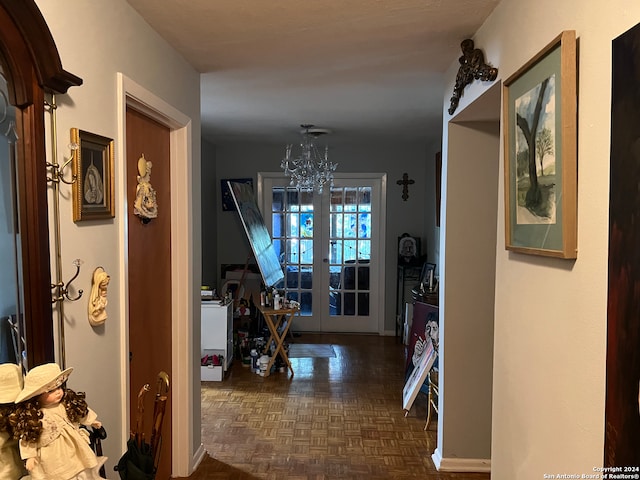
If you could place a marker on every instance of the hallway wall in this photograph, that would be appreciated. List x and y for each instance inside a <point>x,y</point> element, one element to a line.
<point>550,314</point>
<point>96,40</point>
<point>468,237</point>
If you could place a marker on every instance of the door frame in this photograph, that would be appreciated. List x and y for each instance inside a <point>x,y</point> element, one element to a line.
<point>380,276</point>
<point>130,94</point>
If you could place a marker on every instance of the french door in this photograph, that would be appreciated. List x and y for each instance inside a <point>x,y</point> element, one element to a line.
<point>330,250</point>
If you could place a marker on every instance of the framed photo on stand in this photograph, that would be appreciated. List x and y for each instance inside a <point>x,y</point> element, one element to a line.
<point>408,249</point>
<point>428,282</point>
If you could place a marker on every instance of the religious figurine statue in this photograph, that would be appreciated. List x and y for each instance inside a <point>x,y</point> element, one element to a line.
<point>98,298</point>
<point>145,204</point>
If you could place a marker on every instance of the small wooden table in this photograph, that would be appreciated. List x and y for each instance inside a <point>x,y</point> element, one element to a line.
<point>279,322</point>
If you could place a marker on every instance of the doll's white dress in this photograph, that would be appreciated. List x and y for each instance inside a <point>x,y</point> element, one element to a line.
<point>63,451</point>
<point>11,467</point>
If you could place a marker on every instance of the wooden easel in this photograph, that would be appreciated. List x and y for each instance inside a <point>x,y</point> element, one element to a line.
<point>239,284</point>
<point>236,300</point>
<point>279,322</point>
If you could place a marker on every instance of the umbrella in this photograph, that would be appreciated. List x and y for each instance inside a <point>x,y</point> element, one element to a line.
<point>137,461</point>
<point>159,406</point>
<point>138,435</point>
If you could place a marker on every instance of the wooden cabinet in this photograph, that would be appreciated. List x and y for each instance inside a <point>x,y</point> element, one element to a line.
<point>217,331</point>
<point>426,297</point>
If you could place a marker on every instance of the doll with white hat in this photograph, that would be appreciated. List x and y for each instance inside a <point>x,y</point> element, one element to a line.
<point>47,421</point>
<point>11,467</point>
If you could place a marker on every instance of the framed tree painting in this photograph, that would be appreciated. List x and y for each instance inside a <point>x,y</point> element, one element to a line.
<point>540,152</point>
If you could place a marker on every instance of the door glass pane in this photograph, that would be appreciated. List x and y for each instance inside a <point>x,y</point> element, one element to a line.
<point>278,221</point>
<point>277,200</point>
<point>363,304</point>
<point>350,199</point>
<point>350,251</point>
<point>12,348</point>
<point>292,224</point>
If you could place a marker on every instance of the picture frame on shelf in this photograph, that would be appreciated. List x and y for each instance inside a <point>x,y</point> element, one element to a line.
<point>93,186</point>
<point>540,152</point>
<point>428,282</point>
<point>408,249</point>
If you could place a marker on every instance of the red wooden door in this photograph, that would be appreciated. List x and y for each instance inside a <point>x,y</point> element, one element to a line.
<point>149,265</point>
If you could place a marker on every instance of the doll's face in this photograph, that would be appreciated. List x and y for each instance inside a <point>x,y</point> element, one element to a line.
<point>51,398</point>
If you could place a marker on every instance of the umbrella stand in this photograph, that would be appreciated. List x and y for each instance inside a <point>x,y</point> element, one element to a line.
<point>137,463</point>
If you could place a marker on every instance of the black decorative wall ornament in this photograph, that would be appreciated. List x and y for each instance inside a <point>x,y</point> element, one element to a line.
<point>405,182</point>
<point>472,67</point>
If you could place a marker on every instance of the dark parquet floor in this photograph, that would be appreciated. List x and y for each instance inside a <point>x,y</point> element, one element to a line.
<point>336,418</point>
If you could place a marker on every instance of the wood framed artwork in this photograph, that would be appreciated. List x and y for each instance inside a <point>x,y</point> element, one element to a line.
<point>259,238</point>
<point>540,152</point>
<point>421,354</point>
<point>424,316</point>
<point>622,422</point>
<point>93,188</point>
<point>227,200</point>
<point>418,377</point>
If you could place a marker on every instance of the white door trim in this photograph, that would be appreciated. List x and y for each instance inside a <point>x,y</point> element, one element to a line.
<point>184,456</point>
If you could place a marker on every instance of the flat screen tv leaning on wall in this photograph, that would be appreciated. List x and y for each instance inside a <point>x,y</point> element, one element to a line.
<point>257,233</point>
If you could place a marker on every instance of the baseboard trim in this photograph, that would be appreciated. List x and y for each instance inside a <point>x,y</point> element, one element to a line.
<point>198,457</point>
<point>460,464</point>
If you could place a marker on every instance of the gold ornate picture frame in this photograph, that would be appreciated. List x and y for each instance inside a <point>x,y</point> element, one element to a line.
<point>93,188</point>
<point>540,152</point>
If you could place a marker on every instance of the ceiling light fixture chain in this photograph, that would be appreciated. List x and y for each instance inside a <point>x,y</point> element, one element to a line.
<point>311,169</point>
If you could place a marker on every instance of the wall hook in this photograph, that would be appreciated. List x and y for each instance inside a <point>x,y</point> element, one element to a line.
<point>63,289</point>
<point>57,170</point>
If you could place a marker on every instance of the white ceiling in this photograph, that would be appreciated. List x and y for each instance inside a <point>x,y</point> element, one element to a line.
<point>363,68</point>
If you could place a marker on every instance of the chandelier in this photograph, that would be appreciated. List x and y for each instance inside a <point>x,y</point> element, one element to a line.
<point>311,169</point>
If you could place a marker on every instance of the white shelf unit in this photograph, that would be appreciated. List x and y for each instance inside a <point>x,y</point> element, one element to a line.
<point>216,331</point>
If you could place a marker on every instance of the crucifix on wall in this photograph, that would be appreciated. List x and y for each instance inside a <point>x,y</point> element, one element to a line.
<point>405,182</point>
